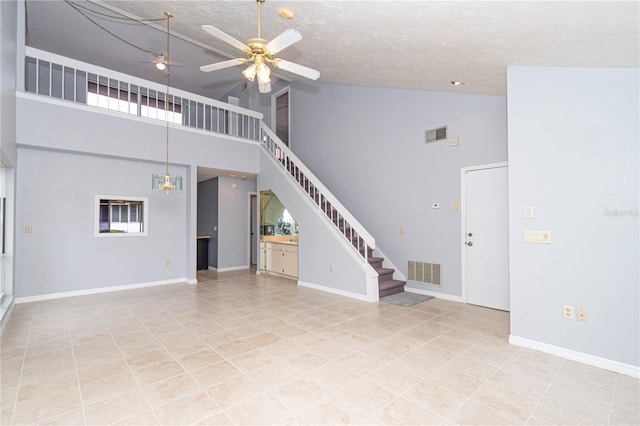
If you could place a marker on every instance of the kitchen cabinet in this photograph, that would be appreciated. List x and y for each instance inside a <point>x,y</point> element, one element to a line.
<point>281,259</point>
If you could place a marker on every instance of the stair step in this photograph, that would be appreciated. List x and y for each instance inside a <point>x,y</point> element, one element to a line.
<point>376,262</point>
<point>387,288</point>
<point>385,274</point>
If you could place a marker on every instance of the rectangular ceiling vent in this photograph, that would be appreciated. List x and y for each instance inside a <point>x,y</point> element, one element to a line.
<point>436,134</point>
<point>424,272</point>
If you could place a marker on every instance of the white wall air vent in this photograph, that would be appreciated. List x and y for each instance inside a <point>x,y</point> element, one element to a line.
<point>424,272</point>
<point>436,134</point>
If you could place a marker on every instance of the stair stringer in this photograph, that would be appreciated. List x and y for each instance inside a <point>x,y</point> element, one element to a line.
<point>397,275</point>
<point>327,261</point>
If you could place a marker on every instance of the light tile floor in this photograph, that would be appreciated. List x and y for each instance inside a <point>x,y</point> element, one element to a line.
<point>245,349</point>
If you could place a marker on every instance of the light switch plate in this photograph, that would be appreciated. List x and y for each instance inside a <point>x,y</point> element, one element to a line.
<point>528,211</point>
<point>537,237</point>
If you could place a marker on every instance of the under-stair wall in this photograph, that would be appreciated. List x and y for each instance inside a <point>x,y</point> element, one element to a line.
<point>326,259</point>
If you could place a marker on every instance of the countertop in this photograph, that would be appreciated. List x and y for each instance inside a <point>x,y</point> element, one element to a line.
<point>280,239</point>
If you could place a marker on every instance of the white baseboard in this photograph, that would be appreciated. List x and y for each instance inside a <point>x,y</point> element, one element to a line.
<point>230,268</point>
<point>192,281</point>
<point>6,314</point>
<point>212,268</point>
<point>434,294</point>
<point>607,364</point>
<point>98,290</point>
<point>336,291</point>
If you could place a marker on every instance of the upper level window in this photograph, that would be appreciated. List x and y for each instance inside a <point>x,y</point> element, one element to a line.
<point>121,215</point>
<point>119,96</point>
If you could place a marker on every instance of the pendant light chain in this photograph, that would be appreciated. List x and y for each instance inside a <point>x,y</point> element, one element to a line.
<point>166,100</point>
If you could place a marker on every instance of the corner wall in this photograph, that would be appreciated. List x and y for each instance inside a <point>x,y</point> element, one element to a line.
<point>62,254</point>
<point>367,145</point>
<point>573,157</point>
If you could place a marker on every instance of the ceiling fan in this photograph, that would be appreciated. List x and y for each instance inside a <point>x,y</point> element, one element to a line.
<point>161,62</point>
<point>259,53</point>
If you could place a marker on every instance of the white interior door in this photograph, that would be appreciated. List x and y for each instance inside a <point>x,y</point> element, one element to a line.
<point>487,237</point>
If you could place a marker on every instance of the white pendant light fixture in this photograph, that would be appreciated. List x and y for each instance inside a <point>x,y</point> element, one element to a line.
<point>167,182</point>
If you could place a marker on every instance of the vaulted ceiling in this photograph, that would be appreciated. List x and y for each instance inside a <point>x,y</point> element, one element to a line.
<point>417,45</point>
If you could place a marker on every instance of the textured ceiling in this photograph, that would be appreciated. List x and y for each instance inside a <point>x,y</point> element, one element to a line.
<point>421,45</point>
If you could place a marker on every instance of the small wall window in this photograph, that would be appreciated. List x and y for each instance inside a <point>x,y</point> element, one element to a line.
<point>116,215</point>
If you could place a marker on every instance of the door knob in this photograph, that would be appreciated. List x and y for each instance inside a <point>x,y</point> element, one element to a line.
<point>470,234</point>
<point>469,243</point>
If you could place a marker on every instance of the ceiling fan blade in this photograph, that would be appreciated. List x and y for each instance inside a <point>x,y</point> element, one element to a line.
<point>307,72</point>
<point>225,37</point>
<point>284,40</point>
<point>222,65</point>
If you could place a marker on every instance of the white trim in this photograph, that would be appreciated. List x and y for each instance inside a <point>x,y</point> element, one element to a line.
<point>337,291</point>
<point>257,234</point>
<point>6,315</point>
<point>212,268</point>
<point>98,290</point>
<point>607,364</point>
<point>434,294</point>
<point>145,216</point>
<point>230,268</point>
<point>193,281</point>
<point>463,219</point>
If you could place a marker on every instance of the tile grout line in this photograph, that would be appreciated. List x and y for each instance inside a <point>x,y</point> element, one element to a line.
<point>19,385</point>
<point>545,390</point>
<point>124,358</point>
<point>75,363</point>
<point>175,360</point>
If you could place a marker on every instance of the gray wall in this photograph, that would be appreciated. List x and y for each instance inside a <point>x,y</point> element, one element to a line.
<point>111,134</point>
<point>320,247</point>
<point>367,146</point>
<point>208,216</point>
<point>57,199</point>
<point>112,137</point>
<point>233,222</point>
<point>573,156</point>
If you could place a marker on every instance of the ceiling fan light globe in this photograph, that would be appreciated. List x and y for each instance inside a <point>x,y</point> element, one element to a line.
<point>263,73</point>
<point>161,66</point>
<point>250,72</point>
<point>264,87</point>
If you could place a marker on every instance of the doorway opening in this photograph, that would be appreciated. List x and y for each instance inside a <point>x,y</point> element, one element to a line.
<point>280,114</point>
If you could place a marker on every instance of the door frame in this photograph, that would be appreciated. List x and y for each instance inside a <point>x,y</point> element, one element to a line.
<point>251,194</point>
<point>463,217</point>
<point>274,111</point>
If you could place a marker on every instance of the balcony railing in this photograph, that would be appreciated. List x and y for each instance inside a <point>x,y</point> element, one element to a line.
<point>62,78</point>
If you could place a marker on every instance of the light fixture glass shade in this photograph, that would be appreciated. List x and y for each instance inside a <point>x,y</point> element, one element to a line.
<point>264,87</point>
<point>250,72</point>
<point>166,182</point>
<point>161,66</point>
<point>263,73</point>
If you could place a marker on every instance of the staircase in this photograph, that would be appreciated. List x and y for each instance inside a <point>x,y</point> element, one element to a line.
<point>386,284</point>
<point>349,227</point>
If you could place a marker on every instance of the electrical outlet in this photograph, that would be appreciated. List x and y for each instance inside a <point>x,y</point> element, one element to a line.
<point>28,229</point>
<point>568,311</point>
<point>330,268</point>
<point>582,315</point>
<point>402,230</point>
<point>167,262</point>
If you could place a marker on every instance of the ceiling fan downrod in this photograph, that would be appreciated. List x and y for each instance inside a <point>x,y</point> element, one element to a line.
<point>260,17</point>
